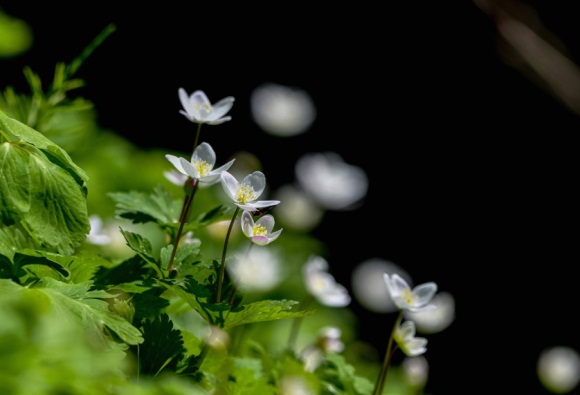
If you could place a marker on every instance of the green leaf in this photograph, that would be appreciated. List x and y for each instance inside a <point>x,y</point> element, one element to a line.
<point>132,269</point>
<point>248,378</point>
<point>140,245</point>
<point>22,259</point>
<point>340,376</point>
<point>14,130</point>
<point>89,307</point>
<point>139,207</point>
<point>162,346</point>
<point>264,310</point>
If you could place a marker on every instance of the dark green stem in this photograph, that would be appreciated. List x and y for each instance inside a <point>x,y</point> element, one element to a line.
<point>182,219</point>
<point>380,384</point>
<point>223,264</point>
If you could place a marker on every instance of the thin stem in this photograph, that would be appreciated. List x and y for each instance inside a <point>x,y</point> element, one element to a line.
<point>182,219</point>
<point>296,323</point>
<point>380,384</point>
<point>223,265</point>
<point>197,136</point>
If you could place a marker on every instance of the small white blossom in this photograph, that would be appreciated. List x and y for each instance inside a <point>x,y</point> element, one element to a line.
<point>198,108</point>
<point>258,260</point>
<point>245,194</point>
<point>260,232</point>
<point>330,181</point>
<point>322,285</point>
<point>201,166</point>
<point>282,110</point>
<point>559,369</point>
<point>434,320</point>
<point>406,340</point>
<point>97,235</point>
<point>405,298</point>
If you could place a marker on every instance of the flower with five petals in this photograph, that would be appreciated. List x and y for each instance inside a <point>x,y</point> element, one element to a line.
<point>201,165</point>
<point>260,232</point>
<point>198,109</point>
<point>405,337</point>
<point>405,298</point>
<point>245,194</point>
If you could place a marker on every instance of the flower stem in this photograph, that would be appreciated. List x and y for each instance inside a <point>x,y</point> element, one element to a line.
<point>296,324</point>
<point>380,384</point>
<point>223,265</point>
<point>197,136</point>
<point>182,218</point>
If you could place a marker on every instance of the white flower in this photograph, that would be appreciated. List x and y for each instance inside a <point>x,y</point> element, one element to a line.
<point>260,232</point>
<point>198,108</point>
<point>245,194</point>
<point>97,235</point>
<point>559,369</point>
<point>201,165</point>
<point>416,370</point>
<point>406,340</point>
<point>258,260</point>
<point>368,285</point>
<point>281,110</point>
<point>405,298</point>
<point>434,320</point>
<point>299,211</point>
<point>328,341</point>
<point>322,285</point>
<point>330,181</point>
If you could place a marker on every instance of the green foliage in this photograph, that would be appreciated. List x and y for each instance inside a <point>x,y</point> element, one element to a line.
<point>79,319</point>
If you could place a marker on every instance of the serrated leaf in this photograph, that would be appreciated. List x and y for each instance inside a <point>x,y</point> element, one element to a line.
<point>130,270</point>
<point>339,374</point>
<point>140,245</point>
<point>22,259</point>
<point>89,307</point>
<point>161,347</point>
<point>248,378</point>
<point>264,310</point>
<point>139,207</point>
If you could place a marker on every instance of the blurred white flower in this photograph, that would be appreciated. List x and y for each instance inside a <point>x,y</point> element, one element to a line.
<point>295,385</point>
<point>259,270</point>
<point>559,369</point>
<point>322,285</point>
<point>259,232</point>
<point>98,235</point>
<point>299,211</point>
<point>218,339</point>
<point>416,370</point>
<point>369,287</point>
<point>198,108</point>
<point>434,320</point>
<point>328,341</point>
<point>415,299</point>
<point>330,181</point>
<point>201,166</point>
<point>407,342</point>
<point>245,194</point>
<point>282,110</point>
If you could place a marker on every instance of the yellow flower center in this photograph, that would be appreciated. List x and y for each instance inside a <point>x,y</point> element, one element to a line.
<point>407,295</point>
<point>259,230</point>
<point>202,167</point>
<point>202,106</point>
<point>245,194</point>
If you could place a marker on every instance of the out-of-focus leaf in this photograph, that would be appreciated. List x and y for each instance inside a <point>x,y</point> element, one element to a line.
<point>15,36</point>
<point>264,310</point>
<point>89,307</point>
<point>340,377</point>
<point>140,207</point>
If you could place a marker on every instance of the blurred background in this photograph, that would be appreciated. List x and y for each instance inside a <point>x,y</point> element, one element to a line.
<point>462,118</point>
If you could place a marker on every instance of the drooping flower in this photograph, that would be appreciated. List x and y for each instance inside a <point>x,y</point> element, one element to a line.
<point>198,108</point>
<point>201,165</point>
<point>245,194</point>
<point>405,298</point>
<point>406,340</point>
<point>322,285</point>
<point>260,232</point>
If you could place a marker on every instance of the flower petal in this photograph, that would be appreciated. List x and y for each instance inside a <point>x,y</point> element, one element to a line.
<point>397,285</point>
<point>267,221</point>
<point>260,240</point>
<point>223,168</point>
<point>221,108</point>
<point>230,185</point>
<point>424,293</point>
<point>204,152</point>
<point>247,223</point>
<point>219,121</point>
<point>176,163</point>
<point>274,235</point>
<point>189,169</point>
<point>257,180</point>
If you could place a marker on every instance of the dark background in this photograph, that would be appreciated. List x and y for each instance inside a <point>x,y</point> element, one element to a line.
<point>472,167</point>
